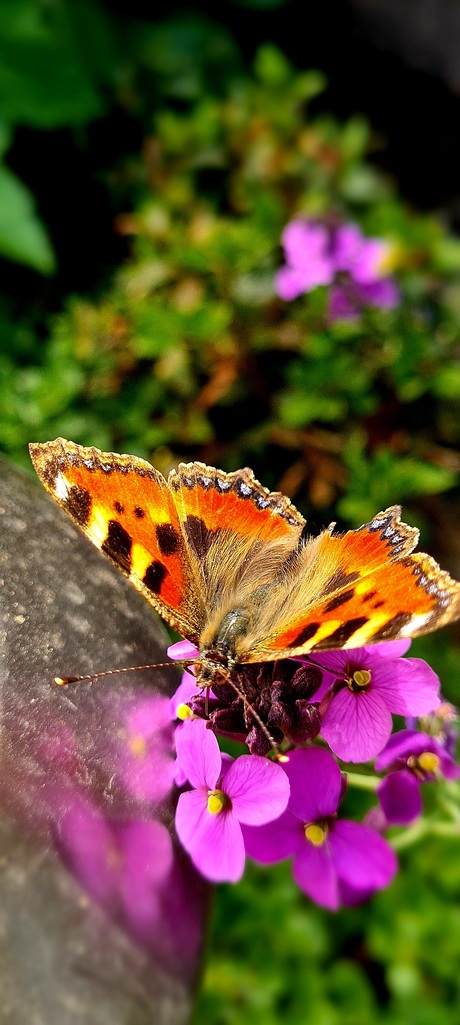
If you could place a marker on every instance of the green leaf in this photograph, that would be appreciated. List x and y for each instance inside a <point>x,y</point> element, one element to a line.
<point>46,73</point>
<point>271,66</point>
<point>22,235</point>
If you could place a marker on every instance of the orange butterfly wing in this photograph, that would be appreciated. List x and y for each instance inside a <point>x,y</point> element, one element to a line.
<point>124,506</point>
<point>358,588</point>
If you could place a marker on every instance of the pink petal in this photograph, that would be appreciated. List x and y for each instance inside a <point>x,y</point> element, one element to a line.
<point>362,858</point>
<point>342,305</point>
<point>316,784</point>
<point>186,690</point>
<point>356,726</point>
<point>314,872</point>
<point>276,840</point>
<point>384,293</point>
<point>400,798</point>
<point>183,650</point>
<point>214,842</point>
<point>290,283</point>
<point>305,244</point>
<point>198,754</point>
<point>409,686</point>
<point>258,789</point>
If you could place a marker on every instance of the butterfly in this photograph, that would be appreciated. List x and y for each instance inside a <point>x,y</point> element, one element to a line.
<point>224,562</point>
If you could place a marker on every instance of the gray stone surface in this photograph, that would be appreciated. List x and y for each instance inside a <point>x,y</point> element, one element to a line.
<point>95,927</point>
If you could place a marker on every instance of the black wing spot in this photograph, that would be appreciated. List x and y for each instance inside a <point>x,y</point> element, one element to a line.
<point>378,604</point>
<point>140,513</point>
<point>154,576</point>
<point>342,634</point>
<point>79,503</point>
<point>369,596</point>
<point>305,635</point>
<point>199,535</point>
<point>118,507</point>
<point>341,599</point>
<point>340,579</point>
<point>118,544</point>
<point>167,537</point>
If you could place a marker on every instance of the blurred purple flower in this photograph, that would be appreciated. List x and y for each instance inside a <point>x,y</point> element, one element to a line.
<point>121,865</point>
<point>370,684</point>
<point>145,764</point>
<point>342,257</point>
<point>441,724</point>
<point>334,862</point>
<point>250,790</point>
<point>361,257</point>
<point>412,758</point>
<point>308,259</point>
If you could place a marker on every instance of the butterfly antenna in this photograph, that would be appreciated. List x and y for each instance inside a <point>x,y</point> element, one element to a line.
<point>280,757</point>
<point>62,681</point>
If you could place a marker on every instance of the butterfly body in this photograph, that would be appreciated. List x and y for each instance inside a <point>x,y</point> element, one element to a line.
<point>224,562</point>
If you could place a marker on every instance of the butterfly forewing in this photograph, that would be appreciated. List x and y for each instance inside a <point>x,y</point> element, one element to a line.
<point>125,507</point>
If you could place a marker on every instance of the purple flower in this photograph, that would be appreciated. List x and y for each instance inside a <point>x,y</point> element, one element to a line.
<point>413,758</point>
<point>308,259</point>
<point>250,790</point>
<point>334,861</point>
<point>363,258</point>
<point>122,865</point>
<point>341,257</point>
<point>145,763</point>
<point>370,684</point>
<point>347,299</point>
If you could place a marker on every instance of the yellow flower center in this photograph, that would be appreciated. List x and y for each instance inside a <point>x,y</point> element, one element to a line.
<point>138,746</point>
<point>360,679</point>
<point>217,800</point>
<point>183,712</point>
<point>316,833</point>
<point>428,761</point>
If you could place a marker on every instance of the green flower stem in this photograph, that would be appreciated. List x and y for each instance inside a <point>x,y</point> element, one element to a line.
<point>355,779</point>
<point>422,829</point>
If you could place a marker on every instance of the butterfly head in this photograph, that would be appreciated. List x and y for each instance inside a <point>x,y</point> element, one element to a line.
<point>218,647</point>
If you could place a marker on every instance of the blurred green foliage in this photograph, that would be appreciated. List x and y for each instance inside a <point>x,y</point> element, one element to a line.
<point>186,352</point>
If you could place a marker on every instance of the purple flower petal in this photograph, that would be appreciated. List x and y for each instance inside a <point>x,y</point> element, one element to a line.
<point>183,650</point>
<point>276,840</point>
<point>258,789</point>
<point>308,261</point>
<point>316,784</point>
<point>88,847</point>
<point>356,726</point>
<point>362,858</point>
<point>305,247</point>
<point>147,857</point>
<point>186,690</point>
<point>410,742</point>
<point>342,304</point>
<point>399,796</point>
<point>409,686</point>
<point>385,294</point>
<point>214,842</point>
<point>400,746</point>
<point>198,754</point>
<point>314,872</point>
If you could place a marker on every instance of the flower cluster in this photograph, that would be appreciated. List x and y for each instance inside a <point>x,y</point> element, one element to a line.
<point>339,256</point>
<point>289,807</point>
